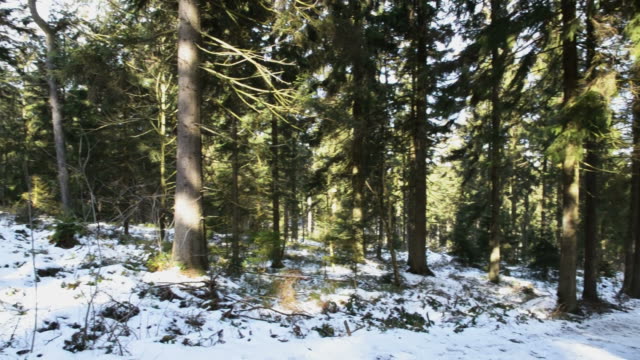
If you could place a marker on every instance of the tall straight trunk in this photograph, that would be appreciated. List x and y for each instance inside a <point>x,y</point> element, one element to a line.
<point>525,228</point>
<point>309,216</point>
<point>558,214</point>
<point>357,172</point>
<point>418,176</point>
<point>382,211</point>
<point>293,181</point>
<point>590,290</point>
<point>5,179</point>
<point>632,263</point>
<point>497,65</point>
<point>189,246</point>
<point>570,175</point>
<point>544,222</point>
<point>634,210</point>
<point>285,222</point>
<point>56,108</point>
<point>162,119</point>
<point>277,252</point>
<point>235,199</point>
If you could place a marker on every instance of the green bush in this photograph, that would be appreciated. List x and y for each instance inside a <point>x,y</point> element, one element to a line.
<point>266,243</point>
<point>64,234</point>
<point>159,262</point>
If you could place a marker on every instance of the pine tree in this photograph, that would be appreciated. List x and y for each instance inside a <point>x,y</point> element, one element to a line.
<point>189,246</point>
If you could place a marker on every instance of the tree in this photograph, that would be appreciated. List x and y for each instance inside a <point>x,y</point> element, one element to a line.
<point>189,246</point>
<point>498,53</point>
<point>420,13</point>
<point>56,107</point>
<point>570,179</point>
<point>591,246</point>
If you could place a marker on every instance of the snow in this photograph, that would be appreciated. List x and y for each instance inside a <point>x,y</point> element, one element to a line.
<point>456,315</point>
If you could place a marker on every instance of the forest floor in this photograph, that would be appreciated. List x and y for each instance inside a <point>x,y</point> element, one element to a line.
<point>99,300</point>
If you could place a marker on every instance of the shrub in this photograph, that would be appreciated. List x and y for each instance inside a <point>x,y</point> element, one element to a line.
<point>159,262</point>
<point>64,234</point>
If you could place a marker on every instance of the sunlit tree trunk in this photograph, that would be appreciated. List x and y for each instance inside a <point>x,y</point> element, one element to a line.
<point>570,175</point>
<point>189,246</point>
<point>56,108</point>
<point>163,86</point>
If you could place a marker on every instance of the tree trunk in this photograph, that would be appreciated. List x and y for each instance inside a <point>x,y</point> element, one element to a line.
<point>309,216</point>
<point>358,177</point>
<point>189,246</point>
<point>570,174</point>
<point>418,177</point>
<point>277,252</point>
<point>162,119</point>
<point>544,224</point>
<point>590,290</point>
<point>235,200</point>
<point>525,229</point>
<point>634,210</point>
<point>632,259</point>
<point>497,65</point>
<point>56,108</point>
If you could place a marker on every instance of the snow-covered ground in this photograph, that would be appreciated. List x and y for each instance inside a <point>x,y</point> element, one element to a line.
<point>99,300</point>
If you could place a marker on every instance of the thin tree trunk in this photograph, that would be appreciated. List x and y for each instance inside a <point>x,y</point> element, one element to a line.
<point>632,261</point>
<point>276,256</point>
<point>56,109</point>
<point>570,173</point>
<point>559,196</point>
<point>358,181</point>
<point>544,225</point>
<point>235,200</point>
<point>162,120</point>
<point>496,151</point>
<point>189,246</point>
<point>293,180</point>
<point>525,228</point>
<point>590,290</point>
<point>634,211</point>
<point>309,216</point>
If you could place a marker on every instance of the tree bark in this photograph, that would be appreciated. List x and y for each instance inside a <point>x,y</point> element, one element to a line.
<point>631,284</point>
<point>417,241</point>
<point>591,245</point>
<point>544,224</point>
<point>235,265</point>
<point>497,65</point>
<point>162,127</point>
<point>56,108</point>
<point>570,173</point>
<point>590,290</point>
<point>277,252</point>
<point>309,216</point>
<point>189,246</point>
